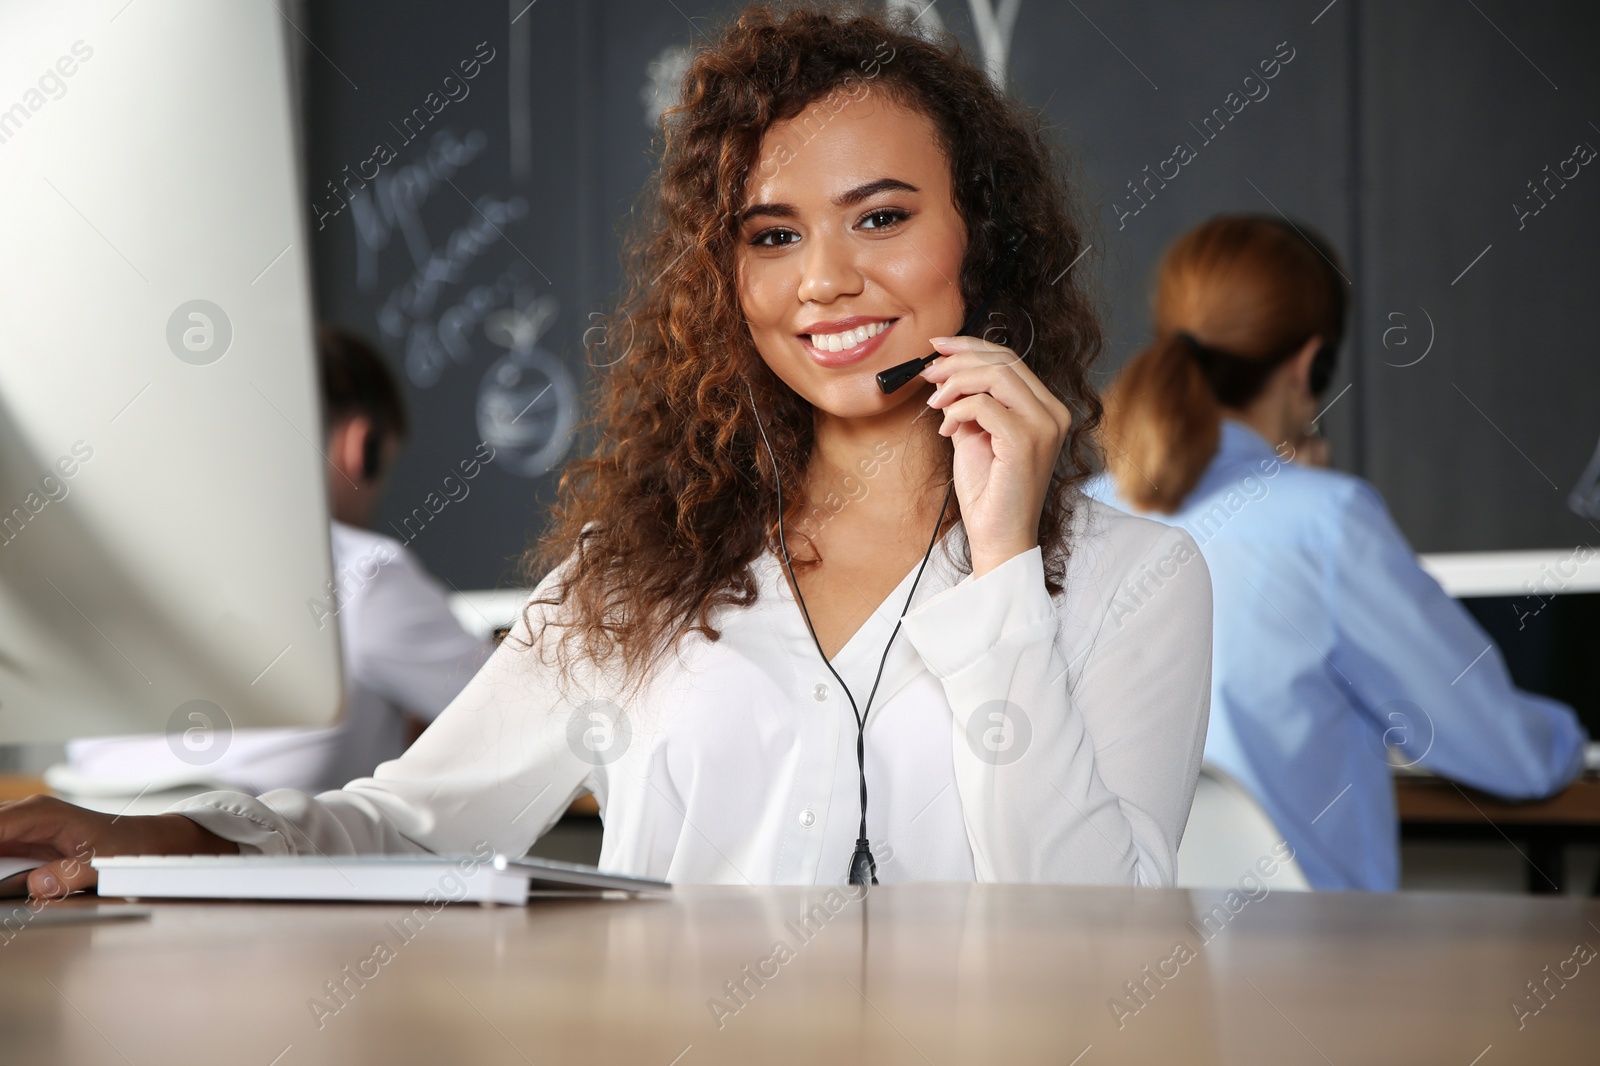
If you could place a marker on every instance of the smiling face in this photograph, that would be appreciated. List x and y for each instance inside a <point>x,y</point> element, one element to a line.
<point>850,250</point>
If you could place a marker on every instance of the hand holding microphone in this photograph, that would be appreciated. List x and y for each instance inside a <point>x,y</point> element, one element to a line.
<point>1008,429</point>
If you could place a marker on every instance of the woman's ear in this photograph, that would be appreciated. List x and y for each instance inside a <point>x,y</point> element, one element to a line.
<point>1300,363</point>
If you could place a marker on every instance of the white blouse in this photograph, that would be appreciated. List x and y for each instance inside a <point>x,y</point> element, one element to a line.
<point>1015,736</point>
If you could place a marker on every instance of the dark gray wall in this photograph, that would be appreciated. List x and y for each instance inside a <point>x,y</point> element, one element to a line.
<point>1405,132</point>
<point>1477,446</point>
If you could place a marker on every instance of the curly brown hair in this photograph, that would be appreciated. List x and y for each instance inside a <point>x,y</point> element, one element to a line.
<point>657,528</point>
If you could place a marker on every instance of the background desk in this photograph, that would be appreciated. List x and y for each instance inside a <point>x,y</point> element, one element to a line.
<point>20,786</point>
<point>1432,808</point>
<point>924,975</point>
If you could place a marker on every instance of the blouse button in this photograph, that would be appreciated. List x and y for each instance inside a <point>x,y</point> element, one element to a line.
<point>807,818</point>
<point>819,692</point>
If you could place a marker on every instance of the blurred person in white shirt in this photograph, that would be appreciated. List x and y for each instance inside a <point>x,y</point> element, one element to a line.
<point>405,655</point>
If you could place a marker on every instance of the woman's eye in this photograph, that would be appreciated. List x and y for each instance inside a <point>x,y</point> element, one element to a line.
<point>883,218</point>
<point>774,238</point>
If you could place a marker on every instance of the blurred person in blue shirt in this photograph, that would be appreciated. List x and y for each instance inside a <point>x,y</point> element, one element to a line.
<point>1331,644</point>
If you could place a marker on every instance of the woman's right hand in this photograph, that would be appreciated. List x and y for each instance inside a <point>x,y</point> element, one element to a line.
<point>42,827</point>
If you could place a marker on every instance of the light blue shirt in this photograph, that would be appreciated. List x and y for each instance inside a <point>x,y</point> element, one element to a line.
<point>1332,644</point>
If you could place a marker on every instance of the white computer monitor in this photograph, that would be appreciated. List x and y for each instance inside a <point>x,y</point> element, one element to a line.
<point>163,513</point>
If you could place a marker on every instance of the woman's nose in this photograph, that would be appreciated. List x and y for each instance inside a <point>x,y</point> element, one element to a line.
<point>828,271</point>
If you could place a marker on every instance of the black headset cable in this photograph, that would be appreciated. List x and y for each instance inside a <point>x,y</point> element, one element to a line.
<point>863,868</point>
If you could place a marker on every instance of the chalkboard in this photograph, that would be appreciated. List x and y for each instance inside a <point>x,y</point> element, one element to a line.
<point>453,225</point>
<point>468,168</point>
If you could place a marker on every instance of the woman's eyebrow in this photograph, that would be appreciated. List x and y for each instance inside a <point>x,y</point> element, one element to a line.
<point>848,198</point>
<point>872,188</point>
<point>767,211</point>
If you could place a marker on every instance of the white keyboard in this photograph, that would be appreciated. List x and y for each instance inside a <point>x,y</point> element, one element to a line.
<point>419,878</point>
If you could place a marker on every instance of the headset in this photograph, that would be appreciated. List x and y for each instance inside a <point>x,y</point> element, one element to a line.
<point>372,455</point>
<point>348,364</point>
<point>1326,361</point>
<point>863,868</point>
<point>371,405</point>
<point>1237,379</point>
<point>1011,241</point>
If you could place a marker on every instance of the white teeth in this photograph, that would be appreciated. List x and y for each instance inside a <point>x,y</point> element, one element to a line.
<point>838,342</point>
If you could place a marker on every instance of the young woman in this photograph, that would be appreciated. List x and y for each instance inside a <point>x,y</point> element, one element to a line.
<point>795,626</point>
<point>1332,644</point>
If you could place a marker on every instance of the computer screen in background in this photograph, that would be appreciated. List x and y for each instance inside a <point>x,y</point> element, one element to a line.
<point>1542,609</point>
<point>1551,645</point>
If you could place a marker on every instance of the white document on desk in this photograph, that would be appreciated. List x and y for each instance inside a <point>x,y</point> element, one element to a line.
<point>13,875</point>
<point>373,878</point>
<point>12,865</point>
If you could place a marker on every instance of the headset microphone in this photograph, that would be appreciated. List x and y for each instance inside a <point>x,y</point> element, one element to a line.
<point>897,377</point>
<point>371,453</point>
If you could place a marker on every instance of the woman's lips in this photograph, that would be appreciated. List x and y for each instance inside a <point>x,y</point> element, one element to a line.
<point>847,356</point>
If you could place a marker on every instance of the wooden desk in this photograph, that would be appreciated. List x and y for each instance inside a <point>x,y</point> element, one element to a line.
<point>1436,809</point>
<point>915,974</point>
<point>21,786</point>
<point>1436,801</point>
